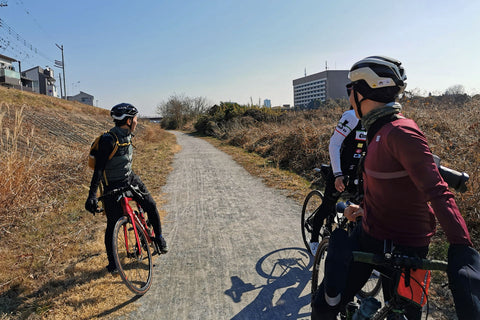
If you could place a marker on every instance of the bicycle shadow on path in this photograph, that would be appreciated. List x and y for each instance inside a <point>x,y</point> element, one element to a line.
<point>287,273</point>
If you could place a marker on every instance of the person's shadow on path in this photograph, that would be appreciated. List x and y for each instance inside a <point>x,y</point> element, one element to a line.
<point>283,268</point>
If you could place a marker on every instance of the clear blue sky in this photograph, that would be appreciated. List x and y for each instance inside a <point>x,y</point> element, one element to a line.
<point>143,52</point>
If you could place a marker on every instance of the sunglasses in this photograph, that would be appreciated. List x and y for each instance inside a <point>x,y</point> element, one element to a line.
<point>349,88</point>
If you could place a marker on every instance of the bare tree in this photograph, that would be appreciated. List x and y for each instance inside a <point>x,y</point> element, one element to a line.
<point>199,105</point>
<point>457,89</point>
<point>179,109</point>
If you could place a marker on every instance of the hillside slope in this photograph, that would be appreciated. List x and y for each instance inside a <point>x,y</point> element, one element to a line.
<point>52,250</point>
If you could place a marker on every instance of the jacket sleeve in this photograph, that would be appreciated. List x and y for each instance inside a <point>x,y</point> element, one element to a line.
<point>411,149</point>
<point>105,148</point>
<point>345,125</point>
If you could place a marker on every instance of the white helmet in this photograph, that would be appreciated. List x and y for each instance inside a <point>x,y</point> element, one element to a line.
<point>378,78</point>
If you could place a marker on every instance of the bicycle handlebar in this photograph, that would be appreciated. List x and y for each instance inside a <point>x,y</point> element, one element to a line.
<point>399,261</point>
<point>453,178</point>
<point>134,189</point>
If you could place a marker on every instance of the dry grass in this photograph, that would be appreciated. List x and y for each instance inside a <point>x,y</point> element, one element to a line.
<point>52,250</point>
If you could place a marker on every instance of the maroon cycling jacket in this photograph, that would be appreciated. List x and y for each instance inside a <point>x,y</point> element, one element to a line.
<point>404,190</point>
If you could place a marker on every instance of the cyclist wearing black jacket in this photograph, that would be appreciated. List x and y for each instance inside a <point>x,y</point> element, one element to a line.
<point>116,173</point>
<point>347,145</point>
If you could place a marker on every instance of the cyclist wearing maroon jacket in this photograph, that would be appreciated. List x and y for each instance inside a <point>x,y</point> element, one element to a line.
<point>403,189</point>
<point>116,172</point>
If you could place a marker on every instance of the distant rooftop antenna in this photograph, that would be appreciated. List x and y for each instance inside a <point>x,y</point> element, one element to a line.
<point>305,72</point>
<point>326,65</point>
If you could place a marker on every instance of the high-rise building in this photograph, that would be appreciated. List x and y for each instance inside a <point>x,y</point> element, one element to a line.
<point>328,84</point>
<point>267,103</point>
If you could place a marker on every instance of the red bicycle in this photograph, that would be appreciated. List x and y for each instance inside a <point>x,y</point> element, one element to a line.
<point>132,238</point>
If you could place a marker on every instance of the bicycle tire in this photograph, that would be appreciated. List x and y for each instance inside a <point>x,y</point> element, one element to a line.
<point>135,269</point>
<point>312,202</point>
<point>318,271</point>
<point>370,289</point>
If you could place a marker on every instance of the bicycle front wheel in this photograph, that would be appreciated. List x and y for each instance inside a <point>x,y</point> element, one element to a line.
<point>310,207</point>
<point>133,259</point>
<point>319,265</point>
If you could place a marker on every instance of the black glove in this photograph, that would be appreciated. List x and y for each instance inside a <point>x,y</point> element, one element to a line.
<point>91,205</point>
<point>464,280</point>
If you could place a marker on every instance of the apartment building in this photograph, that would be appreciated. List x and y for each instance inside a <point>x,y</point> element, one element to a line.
<point>328,84</point>
<point>43,80</point>
<point>8,76</point>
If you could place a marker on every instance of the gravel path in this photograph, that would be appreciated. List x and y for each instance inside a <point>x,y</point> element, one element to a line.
<point>235,245</point>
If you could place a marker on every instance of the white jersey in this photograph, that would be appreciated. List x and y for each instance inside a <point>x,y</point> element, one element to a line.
<point>345,126</point>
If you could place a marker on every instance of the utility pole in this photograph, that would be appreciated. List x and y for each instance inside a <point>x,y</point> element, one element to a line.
<point>63,68</point>
<point>61,91</point>
<point>20,71</point>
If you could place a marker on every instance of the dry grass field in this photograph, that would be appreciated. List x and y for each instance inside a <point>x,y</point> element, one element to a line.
<point>53,260</point>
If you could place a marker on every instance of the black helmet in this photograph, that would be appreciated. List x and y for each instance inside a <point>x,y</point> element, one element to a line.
<point>378,78</point>
<point>122,111</point>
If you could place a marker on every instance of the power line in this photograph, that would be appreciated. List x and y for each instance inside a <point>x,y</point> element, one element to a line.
<point>30,15</point>
<point>12,41</point>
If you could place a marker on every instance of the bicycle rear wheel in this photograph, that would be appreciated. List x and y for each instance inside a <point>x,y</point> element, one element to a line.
<point>133,260</point>
<point>310,206</point>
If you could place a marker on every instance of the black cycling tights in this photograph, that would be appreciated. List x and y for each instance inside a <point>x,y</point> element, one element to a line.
<point>113,211</point>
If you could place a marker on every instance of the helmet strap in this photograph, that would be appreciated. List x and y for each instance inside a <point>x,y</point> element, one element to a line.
<point>129,125</point>
<point>358,103</point>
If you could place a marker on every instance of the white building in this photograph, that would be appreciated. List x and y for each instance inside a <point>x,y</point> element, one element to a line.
<point>329,84</point>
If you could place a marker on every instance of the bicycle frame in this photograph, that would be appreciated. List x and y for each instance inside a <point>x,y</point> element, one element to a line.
<point>134,216</point>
